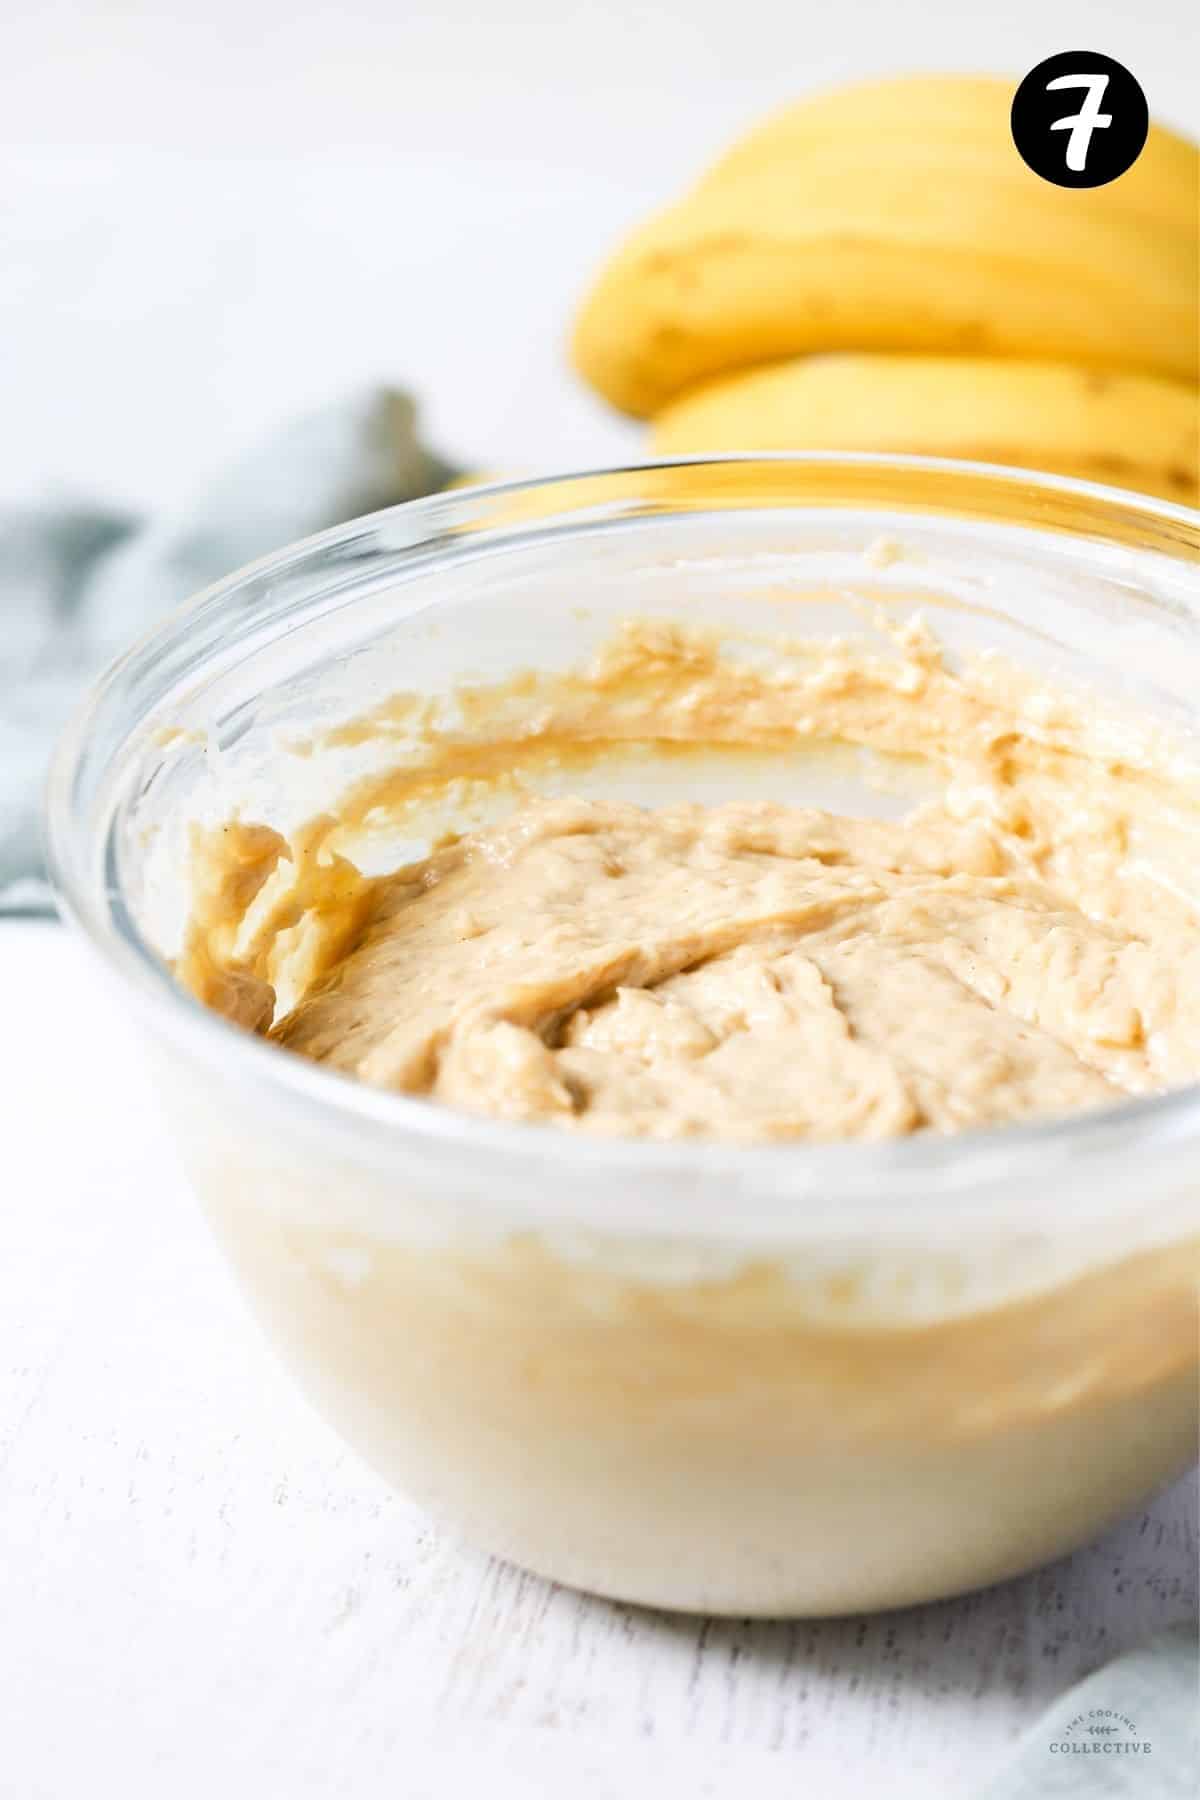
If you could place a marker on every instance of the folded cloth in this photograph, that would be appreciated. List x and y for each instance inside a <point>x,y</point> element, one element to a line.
<point>78,584</point>
<point>1131,1729</point>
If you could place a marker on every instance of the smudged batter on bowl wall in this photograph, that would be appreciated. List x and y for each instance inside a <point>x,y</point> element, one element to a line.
<point>1023,944</point>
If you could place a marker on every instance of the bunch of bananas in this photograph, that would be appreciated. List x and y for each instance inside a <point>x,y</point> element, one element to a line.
<point>877,269</point>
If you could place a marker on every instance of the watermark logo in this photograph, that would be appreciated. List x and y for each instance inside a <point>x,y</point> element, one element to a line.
<point>1102,1731</point>
<point>1080,119</point>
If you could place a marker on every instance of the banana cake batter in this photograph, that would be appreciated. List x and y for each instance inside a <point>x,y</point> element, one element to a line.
<point>1023,944</point>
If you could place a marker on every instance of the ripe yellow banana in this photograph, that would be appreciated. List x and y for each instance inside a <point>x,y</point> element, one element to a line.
<point>965,117</point>
<point>474,478</point>
<point>899,217</point>
<point>1138,431</point>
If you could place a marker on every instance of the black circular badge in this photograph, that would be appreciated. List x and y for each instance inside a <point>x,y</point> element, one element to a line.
<point>1080,119</point>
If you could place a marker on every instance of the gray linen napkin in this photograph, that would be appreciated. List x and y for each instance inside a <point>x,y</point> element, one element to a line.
<point>1130,1730</point>
<point>78,584</point>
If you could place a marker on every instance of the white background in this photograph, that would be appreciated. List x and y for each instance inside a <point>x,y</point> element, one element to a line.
<point>211,217</point>
<point>214,214</point>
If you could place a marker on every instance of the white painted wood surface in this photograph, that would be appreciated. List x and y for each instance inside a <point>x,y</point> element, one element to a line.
<point>202,1593</point>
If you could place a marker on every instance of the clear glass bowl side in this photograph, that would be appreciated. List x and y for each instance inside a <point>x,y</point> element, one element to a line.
<point>828,1377</point>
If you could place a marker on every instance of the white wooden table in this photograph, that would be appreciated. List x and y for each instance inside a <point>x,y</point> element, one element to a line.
<point>201,1592</point>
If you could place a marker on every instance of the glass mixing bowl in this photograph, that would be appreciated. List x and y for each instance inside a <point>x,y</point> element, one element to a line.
<point>752,1380</point>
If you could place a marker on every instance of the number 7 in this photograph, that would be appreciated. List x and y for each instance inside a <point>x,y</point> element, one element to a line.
<point>1089,118</point>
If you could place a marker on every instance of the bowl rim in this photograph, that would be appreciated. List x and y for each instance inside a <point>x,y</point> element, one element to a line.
<point>382,1120</point>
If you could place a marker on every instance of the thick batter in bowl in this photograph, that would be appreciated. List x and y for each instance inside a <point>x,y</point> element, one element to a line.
<point>559,1238</point>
